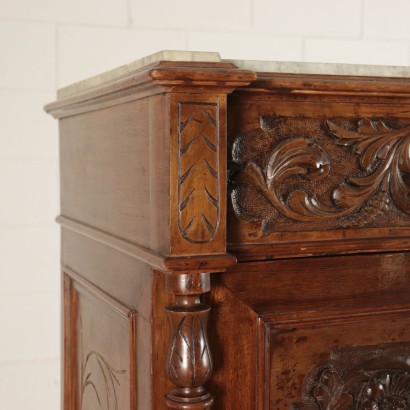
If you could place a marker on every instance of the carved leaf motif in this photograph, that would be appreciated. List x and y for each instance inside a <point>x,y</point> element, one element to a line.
<point>106,397</point>
<point>385,150</point>
<point>296,156</point>
<point>189,363</point>
<point>293,157</point>
<point>384,155</point>
<point>198,172</point>
<point>399,189</point>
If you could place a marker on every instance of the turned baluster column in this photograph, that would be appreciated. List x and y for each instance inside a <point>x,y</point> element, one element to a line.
<point>189,364</point>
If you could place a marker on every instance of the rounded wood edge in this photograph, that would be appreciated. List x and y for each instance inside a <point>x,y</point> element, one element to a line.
<point>246,252</point>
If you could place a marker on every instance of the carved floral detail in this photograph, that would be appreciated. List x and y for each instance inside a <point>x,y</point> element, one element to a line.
<point>388,391</point>
<point>365,388</point>
<point>384,155</point>
<point>198,171</point>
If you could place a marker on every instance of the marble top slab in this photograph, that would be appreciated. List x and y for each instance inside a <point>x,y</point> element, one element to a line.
<point>253,65</point>
<point>136,65</point>
<point>291,67</point>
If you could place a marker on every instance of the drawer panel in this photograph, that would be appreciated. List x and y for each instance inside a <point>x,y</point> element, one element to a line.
<point>317,177</point>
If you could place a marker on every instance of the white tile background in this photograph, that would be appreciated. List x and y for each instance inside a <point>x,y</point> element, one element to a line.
<point>46,44</point>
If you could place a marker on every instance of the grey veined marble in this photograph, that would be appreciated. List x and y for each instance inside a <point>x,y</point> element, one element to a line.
<point>323,68</point>
<point>253,65</point>
<point>134,66</point>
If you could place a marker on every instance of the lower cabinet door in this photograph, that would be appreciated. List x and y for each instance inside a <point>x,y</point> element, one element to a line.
<point>360,361</point>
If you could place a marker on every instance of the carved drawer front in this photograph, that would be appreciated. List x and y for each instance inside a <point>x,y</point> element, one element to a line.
<point>338,364</point>
<point>330,177</point>
<point>99,349</point>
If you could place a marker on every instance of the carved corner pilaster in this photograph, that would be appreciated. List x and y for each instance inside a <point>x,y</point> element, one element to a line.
<point>189,362</point>
<point>198,169</point>
<point>197,119</point>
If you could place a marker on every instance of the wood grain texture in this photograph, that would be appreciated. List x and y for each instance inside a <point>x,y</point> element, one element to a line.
<point>338,282</point>
<point>106,171</point>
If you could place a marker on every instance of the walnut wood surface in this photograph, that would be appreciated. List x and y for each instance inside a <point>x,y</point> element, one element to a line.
<point>170,175</point>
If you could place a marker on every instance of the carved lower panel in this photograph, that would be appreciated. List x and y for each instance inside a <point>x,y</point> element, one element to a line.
<point>198,171</point>
<point>111,377</point>
<point>296,174</point>
<point>371,377</point>
<point>101,350</point>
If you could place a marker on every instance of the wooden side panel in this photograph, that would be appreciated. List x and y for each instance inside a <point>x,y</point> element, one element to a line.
<point>105,170</point>
<point>159,162</point>
<point>100,349</point>
<point>123,277</point>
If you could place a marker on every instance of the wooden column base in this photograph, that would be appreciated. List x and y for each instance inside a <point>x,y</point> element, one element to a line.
<point>189,364</point>
<point>189,398</point>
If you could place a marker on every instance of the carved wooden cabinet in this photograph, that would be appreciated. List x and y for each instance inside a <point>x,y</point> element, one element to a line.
<point>235,235</point>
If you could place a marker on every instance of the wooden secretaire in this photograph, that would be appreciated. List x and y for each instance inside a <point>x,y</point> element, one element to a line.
<point>236,235</point>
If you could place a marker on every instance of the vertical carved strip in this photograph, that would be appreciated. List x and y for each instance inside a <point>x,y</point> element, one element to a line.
<point>198,171</point>
<point>197,174</point>
<point>189,364</point>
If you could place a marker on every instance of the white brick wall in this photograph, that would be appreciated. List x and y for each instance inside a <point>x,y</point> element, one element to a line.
<point>336,18</point>
<point>110,47</point>
<point>50,43</point>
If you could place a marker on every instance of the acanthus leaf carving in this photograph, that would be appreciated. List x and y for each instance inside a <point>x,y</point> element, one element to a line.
<point>384,156</point>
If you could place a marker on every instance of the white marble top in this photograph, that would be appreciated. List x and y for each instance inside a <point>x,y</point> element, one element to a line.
<point>291,67</point>
<point>136,65</point>
<point>253,65</point>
